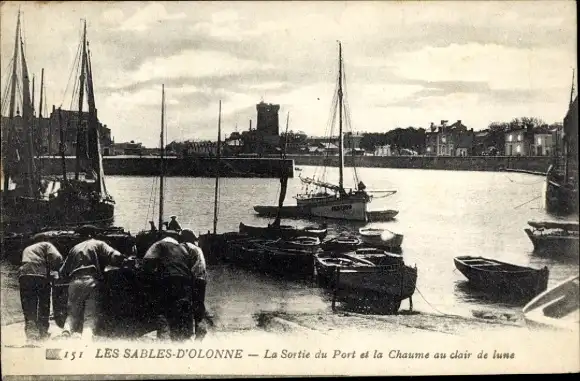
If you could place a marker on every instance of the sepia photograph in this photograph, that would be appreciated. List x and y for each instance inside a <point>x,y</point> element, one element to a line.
<point>288,188</point>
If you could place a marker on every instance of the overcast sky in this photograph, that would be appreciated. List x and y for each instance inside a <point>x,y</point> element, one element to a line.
<point>406,63</point>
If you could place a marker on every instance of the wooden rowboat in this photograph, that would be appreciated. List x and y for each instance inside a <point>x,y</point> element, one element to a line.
<point>381,238</point>
<point>283,231</point>
<point>357,278</point>
<point>503,278</point>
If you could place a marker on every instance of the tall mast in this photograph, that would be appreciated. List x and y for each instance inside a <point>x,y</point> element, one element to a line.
<point>283,176</point>
<point>12,101</point>
<point>41,93</point>
<point>162,157</point>
<point>14,65</point>
<point>81,139</point>
<point>340,137</point>
<point>39,123</point>
<point>62,152</point>
<point>572,89</point>
<point>217,177</point>
<point>27,120</point>
<point>33,93</point>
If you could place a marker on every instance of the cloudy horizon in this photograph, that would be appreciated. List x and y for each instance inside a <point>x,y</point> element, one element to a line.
<point>406,63</point>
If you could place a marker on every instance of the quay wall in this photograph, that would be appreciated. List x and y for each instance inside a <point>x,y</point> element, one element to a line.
<point>270,166</point>
<point>456,163</point>
<point>174,166</point>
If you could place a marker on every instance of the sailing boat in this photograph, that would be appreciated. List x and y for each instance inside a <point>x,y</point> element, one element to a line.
<point>329,200</point>
<point>561,189</point>
<point>276,230</point>
<point>30,202</point>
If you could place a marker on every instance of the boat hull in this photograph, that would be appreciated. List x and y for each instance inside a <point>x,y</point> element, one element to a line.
<point>344,209</point>
<point>292,211</point>
<point>558,307</point>
<point>557,244</point>
<point>284,231</point>
<point>559,198</point>
<point>394,241</point>
<point>366,284</point>
<point>503,279</point>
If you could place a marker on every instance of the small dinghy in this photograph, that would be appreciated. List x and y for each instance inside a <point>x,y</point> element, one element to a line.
<point>364,278</point>
<point>507,279</point>
<point>381,238</point>
<point>342,243</point>
<point>558,307</point>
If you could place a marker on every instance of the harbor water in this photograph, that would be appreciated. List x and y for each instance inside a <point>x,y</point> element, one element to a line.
<point>442,214</point>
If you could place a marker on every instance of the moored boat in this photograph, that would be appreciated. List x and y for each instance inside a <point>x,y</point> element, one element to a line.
<point>557,307</point>
<point>368,279</point>
<point>554,236</point>
<point>378,237</point>
<point>497,277</point>
<point>341,243</point>
<point>330,200</point>
<point>283,231</point>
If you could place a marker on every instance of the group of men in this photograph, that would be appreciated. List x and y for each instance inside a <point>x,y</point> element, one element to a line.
<point>176,266</point>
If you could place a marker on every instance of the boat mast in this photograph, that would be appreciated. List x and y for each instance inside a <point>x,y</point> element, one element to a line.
<point>566,139</point>
<point>217,177</point>
<point>283,177</point>
<point>81,99</point>
<point>340,137</point>
<point>39,126</point>
<point>27,120</point>
<point>162,151</point>
<point>62,150</point>
<point>12,97</point>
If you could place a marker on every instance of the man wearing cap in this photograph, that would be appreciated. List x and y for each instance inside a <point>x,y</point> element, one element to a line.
<point>173,224</point>
<point>84,267</point>
<point>40,261</point>
<point>175,267</point>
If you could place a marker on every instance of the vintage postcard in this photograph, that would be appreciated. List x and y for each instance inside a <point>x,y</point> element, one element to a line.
<point>288,188</point>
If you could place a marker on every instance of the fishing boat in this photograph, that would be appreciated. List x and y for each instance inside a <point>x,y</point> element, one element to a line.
<point>368,277</point>
<point>561,186</point>
<point>491,275</point>
<point>328,200</point>
<point>381,238</point>
<point>554,236</point>
<point>29,200</point>
<point>283,231</point>
<point>558,307</point>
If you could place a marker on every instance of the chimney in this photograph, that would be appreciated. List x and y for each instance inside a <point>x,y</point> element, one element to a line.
<point>53,108</point>
<point>432,127</point>
<point>250,124</point>
<point>444,123</point>
<point>458,121</point>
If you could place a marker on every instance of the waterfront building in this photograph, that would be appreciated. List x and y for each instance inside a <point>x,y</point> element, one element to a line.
<point>70,125</point>
<point>127,148</point>
<point>383,150</point>
<point>449,140</point>
<point>519,141</point>
<point>543,141</point>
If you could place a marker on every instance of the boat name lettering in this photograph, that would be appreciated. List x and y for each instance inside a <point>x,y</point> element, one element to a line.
<point>341,207</point>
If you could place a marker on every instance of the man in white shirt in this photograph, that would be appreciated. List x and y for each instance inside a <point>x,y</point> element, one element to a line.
<point>39,263</point>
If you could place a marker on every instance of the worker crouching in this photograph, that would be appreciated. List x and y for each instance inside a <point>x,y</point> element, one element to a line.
<point>179,273</point>
<point>83,268</point>
<point>40,261</point>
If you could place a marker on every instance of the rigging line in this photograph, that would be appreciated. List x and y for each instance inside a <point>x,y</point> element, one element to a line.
<point>527,202</point>
<point>522,183</point>
<point>432,306</point>
<point>71,73</point>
